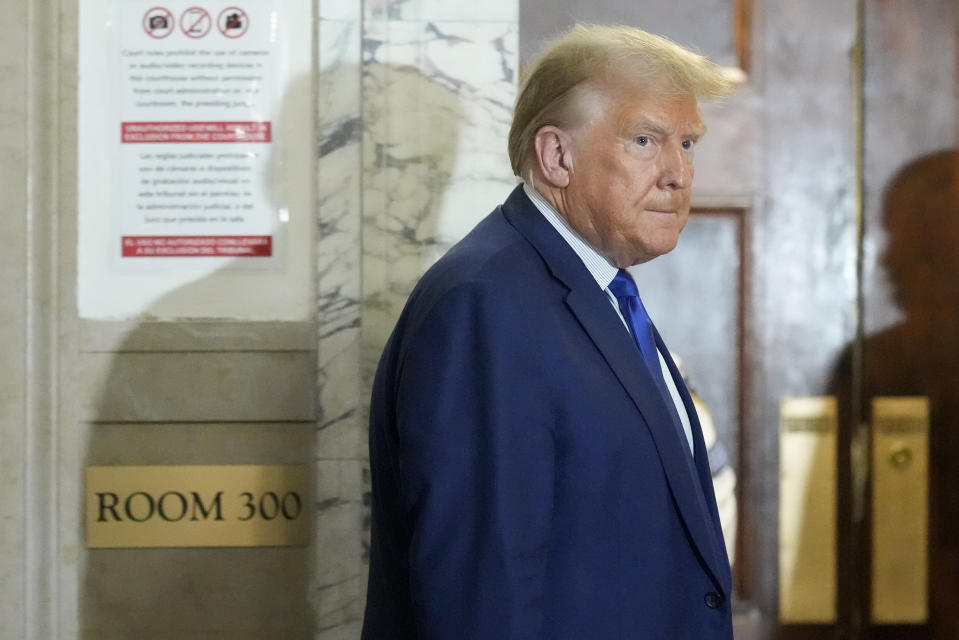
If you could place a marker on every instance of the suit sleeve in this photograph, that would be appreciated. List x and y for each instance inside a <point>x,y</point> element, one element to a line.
<point>476,456</point>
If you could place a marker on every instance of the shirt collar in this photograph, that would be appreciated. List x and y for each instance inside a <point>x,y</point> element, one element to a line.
<point>600,268</point>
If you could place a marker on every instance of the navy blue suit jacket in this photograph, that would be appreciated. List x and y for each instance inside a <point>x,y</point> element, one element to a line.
<point>528,481</point>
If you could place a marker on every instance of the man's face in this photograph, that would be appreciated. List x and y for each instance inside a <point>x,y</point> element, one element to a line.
<point>632,169</point>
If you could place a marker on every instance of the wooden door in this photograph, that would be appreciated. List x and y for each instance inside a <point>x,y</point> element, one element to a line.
<point>909,343</point>
<point>906,324</point>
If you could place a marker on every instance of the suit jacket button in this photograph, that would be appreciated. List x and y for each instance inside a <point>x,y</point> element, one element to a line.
<point>713,600</point>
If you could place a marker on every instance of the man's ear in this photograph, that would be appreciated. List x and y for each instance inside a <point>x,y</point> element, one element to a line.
<point>554,155</point>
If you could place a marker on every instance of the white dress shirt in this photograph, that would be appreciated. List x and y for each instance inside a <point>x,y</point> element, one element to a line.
<point>603,272</point>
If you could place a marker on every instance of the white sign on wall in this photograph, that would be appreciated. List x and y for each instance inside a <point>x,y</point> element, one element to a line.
<point>191,116</point>
<point>196,104</point>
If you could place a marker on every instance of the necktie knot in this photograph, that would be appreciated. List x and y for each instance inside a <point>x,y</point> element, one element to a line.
<point>634,313</point>
<point>623,286</point>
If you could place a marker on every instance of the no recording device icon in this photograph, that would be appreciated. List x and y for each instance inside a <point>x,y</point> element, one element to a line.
<point>195,22</point>
<point>233,22</point>
<point>158,22</point>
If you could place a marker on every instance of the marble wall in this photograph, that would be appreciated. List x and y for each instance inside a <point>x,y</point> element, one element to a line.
<point>413,114</point>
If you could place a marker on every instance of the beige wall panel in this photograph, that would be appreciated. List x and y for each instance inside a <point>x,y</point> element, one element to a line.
<point>194,594</point>
<point>220,386</point>
<point>199,444</point>
<point>197,594</point>
<point>64,556</point>
<point>12,335</point>
<point>196,336</point>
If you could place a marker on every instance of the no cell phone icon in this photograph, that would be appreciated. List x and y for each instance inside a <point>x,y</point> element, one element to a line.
<point>196,22</point>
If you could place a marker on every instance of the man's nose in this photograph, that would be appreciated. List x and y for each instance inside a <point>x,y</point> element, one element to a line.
<point>676,168</point>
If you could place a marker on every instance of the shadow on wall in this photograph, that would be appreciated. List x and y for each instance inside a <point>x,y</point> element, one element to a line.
<point>419,164</point>
<point>419,167</point>
<point>203,392</point>
<point>919,356</point>
<point>212,391</point>
<point>379,231</point>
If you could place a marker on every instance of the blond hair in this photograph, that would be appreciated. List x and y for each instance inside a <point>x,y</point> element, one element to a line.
<point>594,57</point>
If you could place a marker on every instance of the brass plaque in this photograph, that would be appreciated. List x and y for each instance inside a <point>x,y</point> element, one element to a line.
<point>807,509</point>
<point>198,506</point>
<point>900,509</point>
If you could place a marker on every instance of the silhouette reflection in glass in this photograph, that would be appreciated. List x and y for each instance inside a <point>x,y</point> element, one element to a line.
<point>918,356</point>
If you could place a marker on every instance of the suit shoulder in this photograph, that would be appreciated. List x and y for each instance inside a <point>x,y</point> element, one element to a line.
<point>493,254</point>
<point>488,283</point>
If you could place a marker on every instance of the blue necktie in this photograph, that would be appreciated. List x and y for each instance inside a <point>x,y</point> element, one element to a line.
<point>641,327</point>
<point>631,306</point>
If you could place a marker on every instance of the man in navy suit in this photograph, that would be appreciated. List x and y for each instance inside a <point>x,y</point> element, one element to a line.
<point>536,472</point>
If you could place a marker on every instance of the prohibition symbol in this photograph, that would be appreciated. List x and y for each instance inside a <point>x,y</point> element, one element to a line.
<point>195,22</point>
<point>158,22</point>
<point>233,22</point>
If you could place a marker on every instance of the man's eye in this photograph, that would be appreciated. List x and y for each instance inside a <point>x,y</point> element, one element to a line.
<point>688,144</point>
<point>642,141</point>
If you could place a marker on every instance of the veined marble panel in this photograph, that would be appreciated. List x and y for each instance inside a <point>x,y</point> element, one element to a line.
<point>341,427</point>
<point>413,117</point>
<point>438,104</point>
<point>338,584</point>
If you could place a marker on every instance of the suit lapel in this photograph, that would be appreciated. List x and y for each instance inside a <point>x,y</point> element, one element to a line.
<point>592,309</point>
<point>700,468</point>
<point>617,348</point>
